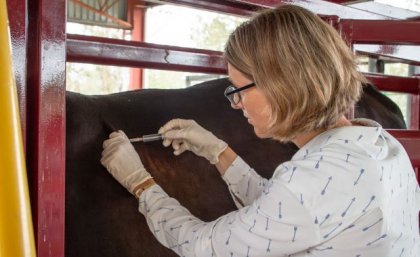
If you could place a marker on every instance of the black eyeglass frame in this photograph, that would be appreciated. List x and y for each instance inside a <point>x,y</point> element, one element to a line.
<point>236,90</point>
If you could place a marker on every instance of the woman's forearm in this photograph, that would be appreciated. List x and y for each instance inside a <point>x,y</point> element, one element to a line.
<point>226,158</point>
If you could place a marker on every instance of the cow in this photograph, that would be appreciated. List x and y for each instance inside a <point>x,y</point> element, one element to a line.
<point>102,219</point>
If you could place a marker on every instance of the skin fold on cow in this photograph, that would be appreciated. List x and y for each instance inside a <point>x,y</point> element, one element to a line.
<point>102,217</point>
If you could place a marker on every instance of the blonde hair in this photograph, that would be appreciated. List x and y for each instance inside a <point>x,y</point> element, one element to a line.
<point>301,64</point>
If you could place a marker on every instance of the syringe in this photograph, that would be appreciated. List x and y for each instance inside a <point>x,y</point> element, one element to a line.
<point>147,138</point>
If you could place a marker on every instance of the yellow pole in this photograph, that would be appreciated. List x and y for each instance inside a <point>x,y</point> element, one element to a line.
<point>16,231</point>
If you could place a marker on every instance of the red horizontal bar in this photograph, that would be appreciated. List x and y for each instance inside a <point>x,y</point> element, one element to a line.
<point>410,85</point>
<point>116,52</point>
<point>410,139</point>
<point>381,31</point>
<point>408,54</point>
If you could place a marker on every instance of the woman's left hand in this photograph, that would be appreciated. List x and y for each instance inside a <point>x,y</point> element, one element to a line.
<point>122,161</point>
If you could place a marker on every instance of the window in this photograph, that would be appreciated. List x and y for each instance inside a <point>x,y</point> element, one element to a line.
<point>166,25</point>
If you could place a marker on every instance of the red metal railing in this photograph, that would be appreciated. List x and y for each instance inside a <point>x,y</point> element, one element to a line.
<point>117,52</point>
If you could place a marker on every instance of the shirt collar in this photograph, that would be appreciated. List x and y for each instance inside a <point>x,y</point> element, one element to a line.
<point>363,131</point>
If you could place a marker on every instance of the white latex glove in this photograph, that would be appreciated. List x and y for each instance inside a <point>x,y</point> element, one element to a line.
<point>188,135</point>
<point>123,162</point>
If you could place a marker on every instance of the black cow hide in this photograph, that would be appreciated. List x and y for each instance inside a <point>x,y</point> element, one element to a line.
<point>102,219</point>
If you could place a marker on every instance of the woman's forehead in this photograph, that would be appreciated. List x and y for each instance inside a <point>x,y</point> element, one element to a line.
<point>236,77</point>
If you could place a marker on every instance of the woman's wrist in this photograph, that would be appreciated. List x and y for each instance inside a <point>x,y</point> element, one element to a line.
<point>226,158</point>
<point>140,188</point>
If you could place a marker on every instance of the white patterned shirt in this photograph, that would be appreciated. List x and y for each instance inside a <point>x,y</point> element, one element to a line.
<point>350,191</point>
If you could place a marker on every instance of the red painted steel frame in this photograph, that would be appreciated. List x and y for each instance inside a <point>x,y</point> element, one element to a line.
<point>137,34</point>
<point>381,31</point>
<point>17,22</point>
<point>410,85</point>
<point>46,123</point>
<point>394,53</point>
<point>116,52</point>
<point>415,112</point>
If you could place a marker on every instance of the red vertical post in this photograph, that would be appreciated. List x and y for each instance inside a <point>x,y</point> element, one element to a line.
<point>136,74</point>
<point>17,23</point>
<point>46,122</point>
<point>415,99</point>
<point>415,111</point>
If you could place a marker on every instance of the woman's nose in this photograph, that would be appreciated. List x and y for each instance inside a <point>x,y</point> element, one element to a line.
<point>236,106</point>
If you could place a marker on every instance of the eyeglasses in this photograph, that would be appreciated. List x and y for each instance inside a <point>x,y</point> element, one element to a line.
<point>233,94</point>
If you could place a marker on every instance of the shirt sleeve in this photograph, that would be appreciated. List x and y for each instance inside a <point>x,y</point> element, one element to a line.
<point>270,226</point>
<point>245,185</point>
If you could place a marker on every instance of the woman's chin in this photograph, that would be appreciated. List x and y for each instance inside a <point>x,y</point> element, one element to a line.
<point>261,133</point>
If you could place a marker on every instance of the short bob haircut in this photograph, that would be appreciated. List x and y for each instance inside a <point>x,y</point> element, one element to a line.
<point>301,64</point>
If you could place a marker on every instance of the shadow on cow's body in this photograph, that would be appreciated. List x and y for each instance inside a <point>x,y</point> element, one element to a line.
<point>101,216</point>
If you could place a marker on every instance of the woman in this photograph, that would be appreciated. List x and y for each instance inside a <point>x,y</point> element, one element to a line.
<point>349,191</point>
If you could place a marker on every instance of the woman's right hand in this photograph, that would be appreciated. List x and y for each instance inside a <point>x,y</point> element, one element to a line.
<point>188,135</point>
